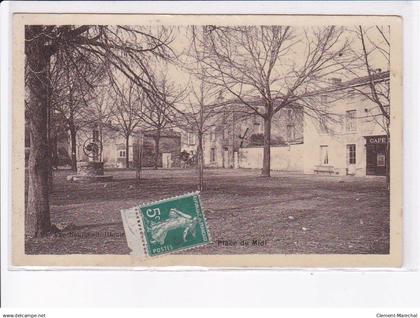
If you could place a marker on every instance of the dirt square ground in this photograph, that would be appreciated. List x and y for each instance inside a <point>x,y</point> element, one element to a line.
<point>286,214</point>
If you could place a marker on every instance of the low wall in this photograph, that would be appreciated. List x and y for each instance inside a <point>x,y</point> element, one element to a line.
<point>90,168</point>
<point>286,158</point>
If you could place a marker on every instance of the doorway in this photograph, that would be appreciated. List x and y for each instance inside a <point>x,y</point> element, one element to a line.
<point>376,155</point>
<point>166,160</point>
<point>225,158</point>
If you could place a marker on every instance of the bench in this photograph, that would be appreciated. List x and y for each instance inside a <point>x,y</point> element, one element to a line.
<point>324,169</point>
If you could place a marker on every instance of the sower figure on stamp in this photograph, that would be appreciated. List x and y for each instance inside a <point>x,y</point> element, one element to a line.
<point>177,219</point>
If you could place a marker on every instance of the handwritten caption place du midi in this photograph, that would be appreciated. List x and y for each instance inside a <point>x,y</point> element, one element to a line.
<point>250,242</point>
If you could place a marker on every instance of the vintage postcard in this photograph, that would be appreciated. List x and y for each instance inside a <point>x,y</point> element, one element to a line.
<point>223,141</point>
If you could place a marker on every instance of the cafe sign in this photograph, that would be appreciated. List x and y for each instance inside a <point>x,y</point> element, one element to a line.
<point>376,140</point>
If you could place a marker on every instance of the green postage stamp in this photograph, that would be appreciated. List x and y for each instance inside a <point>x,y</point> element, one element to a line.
<point>166,226</point>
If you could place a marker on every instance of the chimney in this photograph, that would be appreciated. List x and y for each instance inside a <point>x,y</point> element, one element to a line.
<point>376,70</point>
<point>335,80</point>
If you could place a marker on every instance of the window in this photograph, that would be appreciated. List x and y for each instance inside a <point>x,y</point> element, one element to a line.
<point>258,125</point>
<point>351,120</point>
<point>290,132</point>
<point>351,154</point>
<point>290,114</point>
<point>122,153</point>
<point>257,128</point>
<point>324,155</point>
<point>191,138</point>
<point>213,133</point>
<point>380,160</point>
<point>323,126</point>
<point>213,154</point>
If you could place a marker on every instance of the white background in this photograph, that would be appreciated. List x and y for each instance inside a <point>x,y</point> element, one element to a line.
<point>313,288</point>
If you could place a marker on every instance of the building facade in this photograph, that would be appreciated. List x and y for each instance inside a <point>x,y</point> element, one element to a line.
<point>169,149</point>
<point>346,138</point>
<point>352,141</point>
<point>114,152</point>
<point>236,140</point>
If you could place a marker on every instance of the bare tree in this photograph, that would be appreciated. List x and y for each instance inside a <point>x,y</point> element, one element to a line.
<point>73,81</point>
<point>158,108</point>
<point>98,114</point>
<point>257,65</point>
<point>374,47</point>
<point>38,53</point>
<point>124,48</point>
<point>371,59</point>
<point>198,116</point>
<point>200,105</point>
<point>125,114</point>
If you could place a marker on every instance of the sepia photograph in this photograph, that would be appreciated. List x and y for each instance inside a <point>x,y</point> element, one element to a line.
<point>287,130</point>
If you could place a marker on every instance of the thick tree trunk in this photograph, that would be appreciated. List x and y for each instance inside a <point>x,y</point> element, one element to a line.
<point>51,148</point>
<point>232,155</point>
<point>53,158</point>
<point>54,154</point>
<point>127,151</point>
<point>100,137</point>
<point>37,217</point>
<point>73,137</point>
<point>200,163</point>
<point>265,172</point>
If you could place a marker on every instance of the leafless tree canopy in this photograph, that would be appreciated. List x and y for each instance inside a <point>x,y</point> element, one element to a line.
<point>124,48</point>
<point>257,66</point>
<point>125,78</point>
